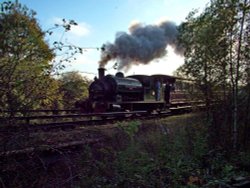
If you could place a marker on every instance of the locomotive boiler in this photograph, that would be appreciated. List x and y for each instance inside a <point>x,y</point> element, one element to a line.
<point>110,92</point>
<point>115,88</point>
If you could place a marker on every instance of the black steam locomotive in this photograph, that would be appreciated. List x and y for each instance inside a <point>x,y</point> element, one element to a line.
<point>134,93</point>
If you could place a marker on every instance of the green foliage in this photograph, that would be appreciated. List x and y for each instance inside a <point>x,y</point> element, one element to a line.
<point>130,128</point>
<point>178,159</point>
<point>27,63</point>
<point>211,43</point>
<point>133,167</point>
<point>24,58</point>
<point>216,43</point>
<point>96,167</point>
<point>73,87</point>
<point>161,154</point>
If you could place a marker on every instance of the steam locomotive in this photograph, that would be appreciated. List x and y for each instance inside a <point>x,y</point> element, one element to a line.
<point>110,93</point>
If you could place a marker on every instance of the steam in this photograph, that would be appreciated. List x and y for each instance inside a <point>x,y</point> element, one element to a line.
<point>141,45</point>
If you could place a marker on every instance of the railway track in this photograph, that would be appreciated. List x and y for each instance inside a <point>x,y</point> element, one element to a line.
<point>82,120</point>
<point>85,119</point>
<point>104,118</point>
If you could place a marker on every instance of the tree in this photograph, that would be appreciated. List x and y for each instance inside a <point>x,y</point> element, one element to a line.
<point>217,52</point>
<point>205,52</point>
<point>24,59</point>
<point>73,87</point>
<point>239,59</point>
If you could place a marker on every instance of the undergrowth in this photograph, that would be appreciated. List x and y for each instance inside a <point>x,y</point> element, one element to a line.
<point>171,152</point>
<point>164,155</point>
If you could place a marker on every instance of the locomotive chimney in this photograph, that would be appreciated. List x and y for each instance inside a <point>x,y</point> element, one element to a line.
<point>101,72</point>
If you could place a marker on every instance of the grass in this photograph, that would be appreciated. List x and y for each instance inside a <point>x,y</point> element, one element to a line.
<point>169,152</point>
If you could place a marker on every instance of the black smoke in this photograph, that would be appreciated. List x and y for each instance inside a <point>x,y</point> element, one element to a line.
<point>141,45</point>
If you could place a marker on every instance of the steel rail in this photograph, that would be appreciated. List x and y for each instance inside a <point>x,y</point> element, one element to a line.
<point>93,119</point>
<point>43,148</point>
<point>105,118</point>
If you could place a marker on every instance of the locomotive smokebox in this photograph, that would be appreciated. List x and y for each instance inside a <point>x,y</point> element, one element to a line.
<point>101,72</point>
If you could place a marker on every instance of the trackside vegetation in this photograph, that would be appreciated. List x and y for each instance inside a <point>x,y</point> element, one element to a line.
<point>172,152</point>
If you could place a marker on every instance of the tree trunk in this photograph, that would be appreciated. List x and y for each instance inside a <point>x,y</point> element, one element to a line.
<point>236,89</point>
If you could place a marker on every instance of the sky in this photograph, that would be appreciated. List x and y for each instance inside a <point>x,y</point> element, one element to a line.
<point>100,20</point>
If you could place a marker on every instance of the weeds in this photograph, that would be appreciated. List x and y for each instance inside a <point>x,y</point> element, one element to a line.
<point>130,128</point>
<point>179,156</point>
<point>175,152</point>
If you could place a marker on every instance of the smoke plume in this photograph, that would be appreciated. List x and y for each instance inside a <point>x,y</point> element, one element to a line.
<point>141,45</point>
